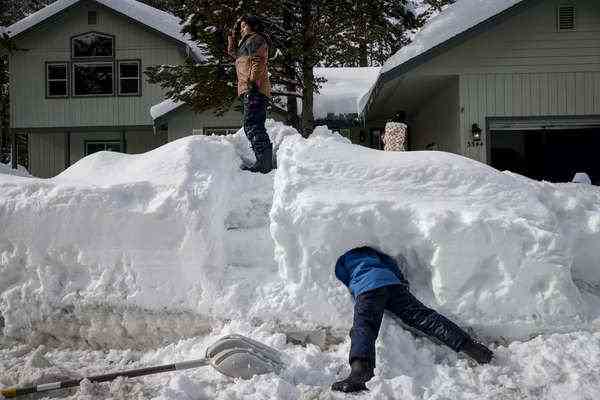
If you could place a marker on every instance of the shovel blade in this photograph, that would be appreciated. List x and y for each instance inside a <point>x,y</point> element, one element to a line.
<point>240,357</point>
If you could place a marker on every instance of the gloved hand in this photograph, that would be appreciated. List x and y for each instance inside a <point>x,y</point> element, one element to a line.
<point>252,87</point>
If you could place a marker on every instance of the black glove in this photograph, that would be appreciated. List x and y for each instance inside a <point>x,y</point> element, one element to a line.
<point>252,87</point>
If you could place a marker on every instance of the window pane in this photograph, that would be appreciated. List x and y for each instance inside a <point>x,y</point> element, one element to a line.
<point>93,45</point>
<point>92,148</point>
<point>57,71</point>
<point>129,70</point>
<point>93,79</point>
<point>129,86</point>
<point>114,146</point>
<point>57,88</point>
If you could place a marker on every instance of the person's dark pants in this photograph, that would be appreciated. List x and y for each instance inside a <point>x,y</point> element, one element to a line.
<point>255,115</point>
<point>368,313</point>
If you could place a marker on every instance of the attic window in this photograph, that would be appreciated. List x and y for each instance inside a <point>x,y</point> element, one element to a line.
<point>92,17</point>
<point>566,18</point>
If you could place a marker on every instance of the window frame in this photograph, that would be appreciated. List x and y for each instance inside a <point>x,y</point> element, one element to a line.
<point>98,58</point>
<point>220,128</point>
<point>105,142</point>
<point>75,63</point>
<point>94,22</point>
<point>67,79</point>
<point>139,78</point>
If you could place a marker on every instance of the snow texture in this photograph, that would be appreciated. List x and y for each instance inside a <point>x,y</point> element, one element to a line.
<point>8,170</point>
<point>125,261</point>
<point>163,22</point>
<point>164,107</point>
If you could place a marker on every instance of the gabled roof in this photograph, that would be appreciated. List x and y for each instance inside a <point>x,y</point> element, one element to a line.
<point>157,20</point>
<point>456,24</point>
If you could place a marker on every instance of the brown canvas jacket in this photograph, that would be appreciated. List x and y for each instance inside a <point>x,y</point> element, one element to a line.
<point>251,63</point>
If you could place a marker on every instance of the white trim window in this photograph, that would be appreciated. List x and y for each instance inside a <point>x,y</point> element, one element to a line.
<point>93,45</point>
<point>94,146</point>
<point>57,79</point>
<point>130,78</point>
<point>93,79</point>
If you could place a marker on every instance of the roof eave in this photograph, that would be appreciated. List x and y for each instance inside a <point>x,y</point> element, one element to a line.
<point>443,47</point>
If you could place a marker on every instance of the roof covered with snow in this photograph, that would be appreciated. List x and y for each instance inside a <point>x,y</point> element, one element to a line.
<point>455,19</point>
<point>343,89</point>
<point>158,20</point>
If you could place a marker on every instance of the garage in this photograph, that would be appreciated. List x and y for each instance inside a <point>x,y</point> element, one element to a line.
<point>550,149</point>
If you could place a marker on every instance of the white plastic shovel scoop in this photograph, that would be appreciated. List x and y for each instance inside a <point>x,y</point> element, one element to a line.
<point>240,357</point>
<point>234,355</point>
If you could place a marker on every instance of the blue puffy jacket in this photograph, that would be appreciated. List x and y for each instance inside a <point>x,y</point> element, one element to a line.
<point>364,268</point>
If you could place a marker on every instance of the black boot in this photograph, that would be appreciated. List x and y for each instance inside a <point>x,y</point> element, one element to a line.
<point>263,164</point>
<point>477,351</point>
<point>361,372</point>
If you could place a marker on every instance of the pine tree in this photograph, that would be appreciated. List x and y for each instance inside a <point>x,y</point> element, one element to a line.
<point>305,33</point>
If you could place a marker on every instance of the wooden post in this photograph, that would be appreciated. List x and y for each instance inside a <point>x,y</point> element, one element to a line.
<point>67,150</point>
<point>13,144</point>
<point>123,143</point>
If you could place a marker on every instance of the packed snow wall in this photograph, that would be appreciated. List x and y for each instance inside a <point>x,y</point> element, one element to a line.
<point>496,251</point>
<point>127,250</point>
<point>131,250</point>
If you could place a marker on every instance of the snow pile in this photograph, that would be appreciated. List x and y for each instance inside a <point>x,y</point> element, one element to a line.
<point>496,251</point>
<point>8,170</point>
<point>120,245</point>
<point>113,262</point>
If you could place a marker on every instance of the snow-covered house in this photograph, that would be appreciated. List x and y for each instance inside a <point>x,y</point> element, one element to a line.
<point>513,83</point>
<point>77,83</point>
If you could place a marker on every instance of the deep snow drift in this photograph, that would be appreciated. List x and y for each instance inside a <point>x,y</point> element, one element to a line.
<point>138,251</point>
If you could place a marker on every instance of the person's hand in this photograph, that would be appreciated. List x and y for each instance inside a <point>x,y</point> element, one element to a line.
<point>253,87</point>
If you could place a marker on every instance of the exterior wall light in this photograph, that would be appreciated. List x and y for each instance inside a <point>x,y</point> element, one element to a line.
<point>476,132</point>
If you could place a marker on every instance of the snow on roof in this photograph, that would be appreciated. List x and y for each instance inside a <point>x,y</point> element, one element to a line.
<point>161,21</point>
<point>339,95</point>
<point>343,89</point>
<point>453,20</point>
<point>165,107</point>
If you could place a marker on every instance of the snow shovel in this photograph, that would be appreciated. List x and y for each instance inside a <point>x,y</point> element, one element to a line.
<point>234,355</point>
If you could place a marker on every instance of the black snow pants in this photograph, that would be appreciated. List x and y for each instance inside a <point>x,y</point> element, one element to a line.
<point>255,115</point>
<point>368,313</point>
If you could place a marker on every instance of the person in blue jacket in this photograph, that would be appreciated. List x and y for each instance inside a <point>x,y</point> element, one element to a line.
<point>376,284</point>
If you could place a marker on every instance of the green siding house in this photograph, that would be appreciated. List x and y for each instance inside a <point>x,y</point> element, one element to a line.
<point>77,84</point>
<point>515,84</point>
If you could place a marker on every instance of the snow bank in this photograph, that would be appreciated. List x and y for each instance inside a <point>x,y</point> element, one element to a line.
<point>496,251</point>
<point>8,170</point>
<point>118,246</point>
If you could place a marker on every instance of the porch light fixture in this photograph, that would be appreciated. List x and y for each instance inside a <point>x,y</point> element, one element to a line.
<point>476,132</point>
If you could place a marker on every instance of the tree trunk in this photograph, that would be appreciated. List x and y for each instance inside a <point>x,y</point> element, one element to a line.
<point>363,50</point>
<point>290,73</point>
<point>308,119</point>
<point>308,44</point>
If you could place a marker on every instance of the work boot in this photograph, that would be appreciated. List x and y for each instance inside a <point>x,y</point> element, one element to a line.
<point>361,372</point>
<point>263,164</point>
<point>477,351</point>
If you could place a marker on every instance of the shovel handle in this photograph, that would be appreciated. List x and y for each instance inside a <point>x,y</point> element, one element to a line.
<point>15,392</point>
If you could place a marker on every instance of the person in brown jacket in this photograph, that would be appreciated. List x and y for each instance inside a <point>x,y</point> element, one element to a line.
<point>251,63</point>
